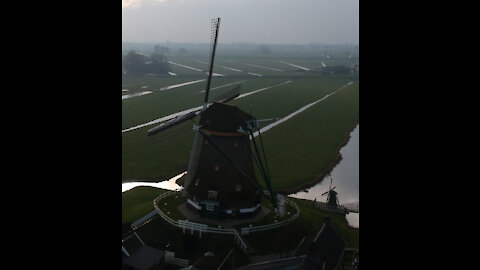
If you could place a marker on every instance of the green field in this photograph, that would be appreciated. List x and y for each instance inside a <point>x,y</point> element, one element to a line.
<point>139,110</point>
<point>138,202</point>
<point>299,151</point>
<point>303,148</point>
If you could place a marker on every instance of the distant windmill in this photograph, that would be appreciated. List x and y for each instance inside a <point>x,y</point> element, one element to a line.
<point>332,199</point>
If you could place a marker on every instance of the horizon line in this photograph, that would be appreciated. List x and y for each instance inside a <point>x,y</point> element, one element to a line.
<point>237,42</point>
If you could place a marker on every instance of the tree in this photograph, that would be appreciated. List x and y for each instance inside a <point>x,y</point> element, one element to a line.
<point>138,63</point>
<point>134,62</point>
<point>161,49</point>
<point>265,50</point>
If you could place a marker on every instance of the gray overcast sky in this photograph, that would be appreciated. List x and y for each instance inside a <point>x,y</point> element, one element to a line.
<point>257,21</point>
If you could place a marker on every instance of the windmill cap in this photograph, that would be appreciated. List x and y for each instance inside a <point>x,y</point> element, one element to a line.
<point>221,117</point>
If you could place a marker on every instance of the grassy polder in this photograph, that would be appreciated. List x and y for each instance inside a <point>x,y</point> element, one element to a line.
<point>138,202</point>
<point>145,108</point>
<point>159,157</point>
<point>269,61</point>
<point>300,150</point>
<point>139,110</point>
<point>135,83</point>
<point>156,158</point>
<point>285,99</point>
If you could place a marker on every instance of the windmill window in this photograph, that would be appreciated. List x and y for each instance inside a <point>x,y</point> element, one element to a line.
<point>217,168</point>
<point>212,195</point>
<point>197,181</point>
<point>238,187</point>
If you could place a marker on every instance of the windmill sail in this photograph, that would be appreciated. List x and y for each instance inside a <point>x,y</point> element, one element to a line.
<point>230,95</point>
<point>197,140</point>
<point>214,36</point>
<point>173,122</point>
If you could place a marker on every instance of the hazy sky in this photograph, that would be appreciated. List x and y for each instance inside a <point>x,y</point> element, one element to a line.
<point>257,21</point>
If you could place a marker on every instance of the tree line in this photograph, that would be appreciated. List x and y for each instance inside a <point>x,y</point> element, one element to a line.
<point>140,64</point>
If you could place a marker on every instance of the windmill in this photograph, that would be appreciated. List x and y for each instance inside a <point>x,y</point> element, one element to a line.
<point>332,199</point>
<point>220,179</point>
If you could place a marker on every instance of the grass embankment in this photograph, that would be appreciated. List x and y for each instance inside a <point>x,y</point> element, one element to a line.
<point>161,235</point>
<point>287,238</point>
<point>138,202</point>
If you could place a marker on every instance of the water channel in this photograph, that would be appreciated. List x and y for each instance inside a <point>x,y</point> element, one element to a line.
<point>345,179</point>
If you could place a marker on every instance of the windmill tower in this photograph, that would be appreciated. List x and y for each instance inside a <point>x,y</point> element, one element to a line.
<point>223,182</point>
<point>332,200</point>
<point>220,178</point>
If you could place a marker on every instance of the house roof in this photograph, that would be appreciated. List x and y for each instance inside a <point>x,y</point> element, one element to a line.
<point>321,250</point>
<point>131,243</point>
<point>325,246</point>
<point>144,258</point>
